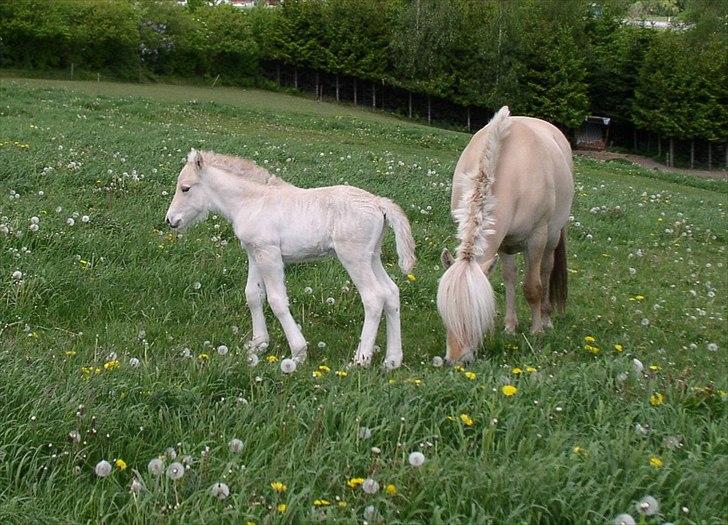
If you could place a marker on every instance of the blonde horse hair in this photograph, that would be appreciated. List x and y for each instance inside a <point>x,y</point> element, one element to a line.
<point>465,297</point>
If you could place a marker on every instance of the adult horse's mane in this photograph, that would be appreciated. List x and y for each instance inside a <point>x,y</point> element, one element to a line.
<point>240,167</point>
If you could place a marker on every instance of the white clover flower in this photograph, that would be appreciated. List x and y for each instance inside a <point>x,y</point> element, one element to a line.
<point>376,450</point>
<point>624,519</point>
<point>197,285</point>
<point>437,361</point>
<point>156,467</point>
<point>136,486</point>
<point>365,433</point>
<point>308,290</point>
<point>645,322</point>
<point>102,468</point>
<point>17,275</point>
<point>222,350</point>
<point>235,445</point>
<point>33,227</point>
<point>288,366</point>
<point>85,218</point>
<point>74,436</point>
<point>370,486</point>
<point>648,506</point>
<point>134,362</point>
<point>632,271</point>
<point>34,220</point>
<point>175,471</point>
<point>186,353</point>
<point>70,221</point>
<point>220,490</point>
<point>170,452</point>
<point>330,301</point>
<point>253,359</point>
<point>321,344</point>
<point>637,366</point>
<point>416,459</point>
<point>713,347</point>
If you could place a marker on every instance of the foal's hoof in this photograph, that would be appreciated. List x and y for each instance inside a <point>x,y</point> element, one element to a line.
<point>257,346</point>
<point>299,357</point>
<point>537,330</point>
<point>392,363</point>
<point>362,361</point>
<point>464,359</point>
<point>510,329</point>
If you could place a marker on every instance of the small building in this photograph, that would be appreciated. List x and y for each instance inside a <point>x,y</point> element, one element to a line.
<point>593,133</point>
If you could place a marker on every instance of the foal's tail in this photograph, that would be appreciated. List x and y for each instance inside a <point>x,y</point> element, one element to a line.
<point>558,283</point>
<point>396,218</point>
<point>466,303</point>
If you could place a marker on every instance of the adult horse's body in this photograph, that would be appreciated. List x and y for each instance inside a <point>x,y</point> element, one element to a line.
<point>512,192</point>
<point>278,222</point>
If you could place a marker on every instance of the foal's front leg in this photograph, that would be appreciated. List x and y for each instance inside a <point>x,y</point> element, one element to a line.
<point>270,266</point>
<point>255,297</point>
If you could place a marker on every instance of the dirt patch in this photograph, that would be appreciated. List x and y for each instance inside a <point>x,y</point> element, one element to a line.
<point>651,164</point>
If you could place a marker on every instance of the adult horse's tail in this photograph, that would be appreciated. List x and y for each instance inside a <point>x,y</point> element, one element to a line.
<point>397,220</point>
<point>464,296</point>
<point>558,283</point>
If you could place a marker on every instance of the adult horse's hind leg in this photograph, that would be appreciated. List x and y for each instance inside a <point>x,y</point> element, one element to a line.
<point>356,260</point>
<point>532,285</point>
<point>510,272</point>
<point>393,358</point>
<point>547,264</point>
<point>255,297</point>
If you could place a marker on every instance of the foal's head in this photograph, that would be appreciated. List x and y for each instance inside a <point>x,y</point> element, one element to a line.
<point>465,301</point>
<point>191,202</point>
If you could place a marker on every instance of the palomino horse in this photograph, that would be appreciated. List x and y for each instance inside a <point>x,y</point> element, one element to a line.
<point>277,222</point>
<point>512,192</point>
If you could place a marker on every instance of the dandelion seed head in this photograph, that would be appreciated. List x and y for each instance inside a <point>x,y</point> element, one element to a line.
<point>365,433</point>
<point>370,486</point>
<point>102,468</point>
<point>156,467</point>
<point>134,362</point>
<point>222,350</point>
<point>253,359</point>
<point>175,471</point>
<point>288,366</point>
<point>136,486</point>
<point>624,519</point>
<point>416,459</point>
<point>648,506</point>
<point>220,490</point>
<point>437,361</point>
<point>235,445</point>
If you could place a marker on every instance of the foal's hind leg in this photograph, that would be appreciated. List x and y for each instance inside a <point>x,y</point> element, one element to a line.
<point>359,267</point>
<point>510,272</point>
<point>393,358</point>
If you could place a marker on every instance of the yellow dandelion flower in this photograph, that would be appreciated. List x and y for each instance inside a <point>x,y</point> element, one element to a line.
<point>589,339</point>
<point>467,420</point>
<point>470,376</point>
<point>411,278</point>
<point>657,399</point>
<point>391,381</point>
<point>120,464</point>
<point>639,297</point>
<point>655,368</point>
<point>316,374</point>
<point>593,349</point>
<point>278,487</point>
<point>203,357</point>
<point>509,390</point>
<point>342,504</point>
<point>517,371</point>
<point>281,507</point>
<point>578,450</point>
<point>656,462</point>
<point>271,358</point>
<point>353,483</point>
<point>110,365</point>
<point>321,503</point>
<point>70,353</point>
<point>531,369</point>
<point>324,368</point>
<point>342,373</point>
<point>460,368</point>
<point>391,489</point>
<point>618,348</point>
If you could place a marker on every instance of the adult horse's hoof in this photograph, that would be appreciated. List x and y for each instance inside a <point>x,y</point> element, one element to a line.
<point>392,364</point>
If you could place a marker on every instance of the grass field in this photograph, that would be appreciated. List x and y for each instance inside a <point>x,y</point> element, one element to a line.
<point>109,329</point>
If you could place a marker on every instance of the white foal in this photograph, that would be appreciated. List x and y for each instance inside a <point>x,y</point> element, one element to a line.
<point>277,223</point>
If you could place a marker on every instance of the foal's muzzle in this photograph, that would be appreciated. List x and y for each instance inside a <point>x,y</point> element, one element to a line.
<point>173,224</point>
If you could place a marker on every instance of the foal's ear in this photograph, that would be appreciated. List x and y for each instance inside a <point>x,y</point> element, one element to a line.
<point>447,259</point>
<point>195,158</point>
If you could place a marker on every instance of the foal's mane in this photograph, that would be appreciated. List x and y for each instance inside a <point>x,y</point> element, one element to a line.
<point>240,167</point>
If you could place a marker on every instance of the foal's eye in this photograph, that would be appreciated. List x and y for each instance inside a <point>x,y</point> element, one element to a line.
<point>185,189</point>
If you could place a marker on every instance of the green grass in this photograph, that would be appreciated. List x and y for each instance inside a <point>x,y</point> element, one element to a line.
<point>122,284</point>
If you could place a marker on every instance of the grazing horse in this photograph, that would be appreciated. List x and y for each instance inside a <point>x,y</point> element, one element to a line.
<point>511,192</point>
<point>278,222</point>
